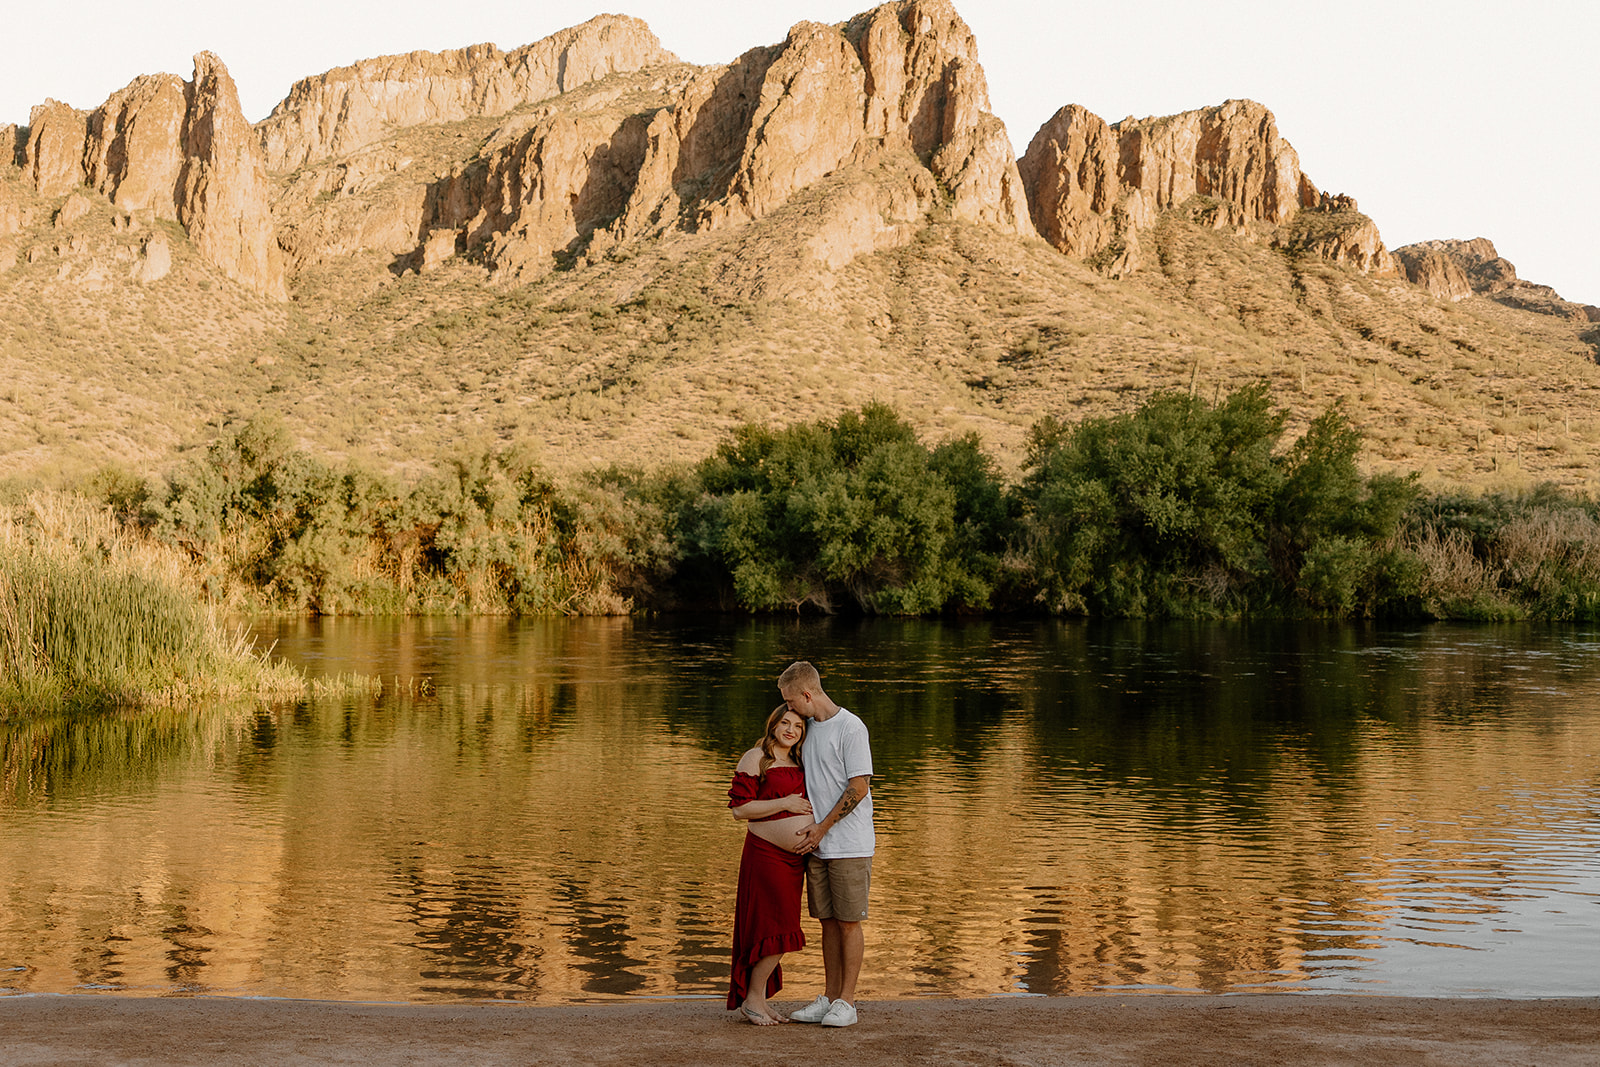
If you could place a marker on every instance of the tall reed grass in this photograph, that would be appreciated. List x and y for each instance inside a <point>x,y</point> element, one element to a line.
<point>91,615</point>
<point>86,619</point>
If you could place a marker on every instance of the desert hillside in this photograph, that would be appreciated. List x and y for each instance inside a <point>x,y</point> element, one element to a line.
<point>588,246</point>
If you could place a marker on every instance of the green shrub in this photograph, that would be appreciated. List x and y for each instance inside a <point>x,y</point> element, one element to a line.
<point>487,532</point>
<point>1187,509</point>
<point>1161,512</point>
<point>1181,508</point>
<point>1332,573</point>
<point>855,511</point>
<point>1504,555</point>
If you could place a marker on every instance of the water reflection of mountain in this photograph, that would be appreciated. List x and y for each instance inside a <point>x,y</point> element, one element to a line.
<point>1062,808</point>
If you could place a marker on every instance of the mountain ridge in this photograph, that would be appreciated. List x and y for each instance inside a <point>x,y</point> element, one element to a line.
<point>790,185</point>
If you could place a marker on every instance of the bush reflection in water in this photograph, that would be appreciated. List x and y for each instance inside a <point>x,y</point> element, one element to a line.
<point>1062,808</point>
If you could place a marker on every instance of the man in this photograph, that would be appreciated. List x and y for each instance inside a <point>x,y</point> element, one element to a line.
<point>838,847</point>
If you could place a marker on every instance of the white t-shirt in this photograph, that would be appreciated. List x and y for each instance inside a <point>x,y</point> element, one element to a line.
<point>836,751</point>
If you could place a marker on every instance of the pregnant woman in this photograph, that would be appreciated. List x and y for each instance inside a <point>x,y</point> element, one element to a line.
<point>768,793</point>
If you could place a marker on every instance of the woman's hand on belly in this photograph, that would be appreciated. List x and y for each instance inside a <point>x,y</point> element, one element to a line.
<point>785,833</point>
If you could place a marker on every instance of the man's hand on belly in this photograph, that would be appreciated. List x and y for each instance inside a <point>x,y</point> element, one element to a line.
<point>810,837</point>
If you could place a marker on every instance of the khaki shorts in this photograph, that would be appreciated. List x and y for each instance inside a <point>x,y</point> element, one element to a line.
<point>837,889</point>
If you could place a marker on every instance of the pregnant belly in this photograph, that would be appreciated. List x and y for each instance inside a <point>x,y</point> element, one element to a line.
<point>781,832</point>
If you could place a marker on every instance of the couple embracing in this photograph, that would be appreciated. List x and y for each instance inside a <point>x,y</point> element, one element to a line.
<point>805,794</point>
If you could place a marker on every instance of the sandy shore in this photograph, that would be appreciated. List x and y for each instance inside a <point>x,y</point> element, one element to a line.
<point>1169,1031</point>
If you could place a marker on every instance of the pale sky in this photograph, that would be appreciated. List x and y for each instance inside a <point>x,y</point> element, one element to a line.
<point>1444,119</point>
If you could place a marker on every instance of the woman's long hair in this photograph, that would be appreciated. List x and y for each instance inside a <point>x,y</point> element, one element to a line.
<point>769,741</point>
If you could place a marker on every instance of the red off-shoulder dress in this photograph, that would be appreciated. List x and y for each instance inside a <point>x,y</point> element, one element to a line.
<point>766,915</point>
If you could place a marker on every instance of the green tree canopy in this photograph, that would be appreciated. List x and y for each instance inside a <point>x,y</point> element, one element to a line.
<point>1188,509</point>
<point>855,510</point>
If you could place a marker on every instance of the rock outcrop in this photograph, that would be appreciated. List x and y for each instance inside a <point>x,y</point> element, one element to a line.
<point>75,207</point>
<point>1440,274</point>
<point>154,262</point>
<point>53,163</point>
<point>733,144</point>
<point>349,107</point>
<point>222,195</point>
<point>1070,171</point>
<point>1231,153</point>
<point>175,150</point>
<point>606,139</point>
<point>13,146</point>
<point>1334,229</point>
<point>1485,272</point>
<point>925,87</point>
<point>794,252</point>
<point>668,148</point>
<point>693,147</point>
<point>541,189</point>
<point>1091,187</point>
<point>902,78</point>
<point>362,202</point>
<point>134,151</point>
<point>974,158</point>
<point>12,215</point>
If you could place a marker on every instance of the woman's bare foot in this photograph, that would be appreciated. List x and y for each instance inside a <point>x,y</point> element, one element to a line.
<point>761,1016</point>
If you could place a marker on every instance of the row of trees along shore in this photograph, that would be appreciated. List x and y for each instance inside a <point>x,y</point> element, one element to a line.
<point>1181,509</point>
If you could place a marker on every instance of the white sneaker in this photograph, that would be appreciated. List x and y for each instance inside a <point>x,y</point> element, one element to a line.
<point>840,1013</point>
<point>811,1013</point>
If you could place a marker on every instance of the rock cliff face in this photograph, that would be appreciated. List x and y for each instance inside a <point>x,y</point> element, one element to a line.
<point>1476,267</point>
<point>537,189</point>
<point>733,144</point>
<point>349,107</point>
<point>1092,186</point>
<point>1440,274</point>
<point>133,149</point>
<point>1334,229</point>
<point>53,163</point>
<point>1070,171</point>
<point>855,134</point>
<point>925,86</point>
<point>12,216</point>
<point>352,205</point>
<point>173,150</point>
<point>904,77</point>
<point>222,192</point>
<point>1231,153</point>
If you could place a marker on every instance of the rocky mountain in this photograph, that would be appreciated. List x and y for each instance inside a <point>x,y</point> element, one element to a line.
<point>895,99</point>
<point>350,107</point>
<point>1454,270</point>
<point>588,217</point>
<point>163,148</point>
<point>1092,187</point>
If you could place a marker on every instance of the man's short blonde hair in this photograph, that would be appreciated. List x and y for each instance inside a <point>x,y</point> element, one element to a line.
<point>799,675</point>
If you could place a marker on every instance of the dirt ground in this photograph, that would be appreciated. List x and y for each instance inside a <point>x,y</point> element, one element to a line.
<point>1169,1031</point>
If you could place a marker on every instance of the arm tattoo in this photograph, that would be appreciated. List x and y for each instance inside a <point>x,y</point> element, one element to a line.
<point>847,803</point>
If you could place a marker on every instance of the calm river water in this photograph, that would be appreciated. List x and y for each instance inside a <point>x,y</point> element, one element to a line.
<point>1062,808</point>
